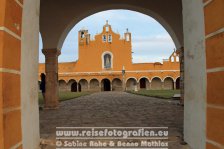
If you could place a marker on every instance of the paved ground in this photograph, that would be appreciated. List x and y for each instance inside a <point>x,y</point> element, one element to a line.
<point>115,109</point>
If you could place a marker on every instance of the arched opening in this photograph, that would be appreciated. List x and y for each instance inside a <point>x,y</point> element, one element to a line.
<point>144,83</point>
<point>107,60</point>
<point>195,103</point>
<point>74,87</point>
<point>62,85</point>
<point>117,84</point>
<point>168,83</point>
<point>156,83</point>
<point>94,85</point>
<point>106,85</point>
<point>131,84</point>
<point>83,85</point>
<point>178,83</point>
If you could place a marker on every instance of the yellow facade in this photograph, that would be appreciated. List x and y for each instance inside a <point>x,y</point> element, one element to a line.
<point>114,50</point>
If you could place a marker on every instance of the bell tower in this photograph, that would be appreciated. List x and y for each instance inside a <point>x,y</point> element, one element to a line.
<point>84,37</point>
<point>127,36</point>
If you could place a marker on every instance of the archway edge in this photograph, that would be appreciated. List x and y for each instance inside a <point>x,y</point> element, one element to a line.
<point>145,11</point>
<point>169,77</point>
<point>143,78</point>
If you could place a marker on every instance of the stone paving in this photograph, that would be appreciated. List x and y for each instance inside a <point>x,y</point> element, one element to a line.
<point>115,109</point>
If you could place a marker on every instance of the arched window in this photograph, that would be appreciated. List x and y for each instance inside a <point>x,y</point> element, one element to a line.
<point>172,59</point>
<point>109,38</point>
<point>107,61</point>
<point>177,59</point>
<point>104,38</point>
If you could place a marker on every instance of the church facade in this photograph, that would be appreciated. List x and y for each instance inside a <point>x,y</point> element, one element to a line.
<point>105,64</point>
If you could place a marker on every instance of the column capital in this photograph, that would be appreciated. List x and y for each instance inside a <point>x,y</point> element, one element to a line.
<point>51,52</point>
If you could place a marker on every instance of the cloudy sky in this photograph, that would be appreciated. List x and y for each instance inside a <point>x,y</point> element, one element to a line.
<point>150,41</point>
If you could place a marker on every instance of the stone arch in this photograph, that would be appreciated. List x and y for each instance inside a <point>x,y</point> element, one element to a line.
<point>106,84</point>
<point>144,82</point>
<point>73,85</point>
<point>156,83</point>
<point>94,85</point>
<point>177,83</point>
<point>83,85</point>
<point>62,85</point>
<point>131,84</point>
<point>195,103</point>
<point>168,83</point>
<point>117,84</point>
<point>176,37</point>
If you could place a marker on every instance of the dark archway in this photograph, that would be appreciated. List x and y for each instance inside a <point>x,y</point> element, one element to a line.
<point>74,87</point>
<point>143,83</point>
<point>106,86</point>
<point>178,83</point>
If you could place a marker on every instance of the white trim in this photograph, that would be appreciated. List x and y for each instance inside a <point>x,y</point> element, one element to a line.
<point>218,69</point>
<point>131,78</point>
<point>83,79</point>
<point>116,78</point>
<point>215,33</point>
<point>168,77</point>
<point>145,78</point>
<point>102,57</point>
<point>106,79</point>
<point>208,2</point>
<point>156,77</point>
<point>215,106</point>
<point>71,80</point>
<point>215,143</point>
<point>177,78</point>
<point>16,146</point>
<point>20,4</point>
<point>10,71</point>
<point>94,79</point>
<point>2,28</point>
<point>67,73</point>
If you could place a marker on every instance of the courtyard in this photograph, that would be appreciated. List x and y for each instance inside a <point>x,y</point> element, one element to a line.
<point>114,109</point>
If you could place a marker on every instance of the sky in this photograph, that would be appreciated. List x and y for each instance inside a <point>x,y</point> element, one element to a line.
<point>150,41</point>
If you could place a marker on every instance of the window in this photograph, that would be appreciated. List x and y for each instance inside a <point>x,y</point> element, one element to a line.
<point>82,35</point>
<point>104,38</point>
<point>172,59</point>
<point>107,61</point>
<point>127,38</point>
<point>109,38</point>
<point>107,28</point>
<point>177,59</point>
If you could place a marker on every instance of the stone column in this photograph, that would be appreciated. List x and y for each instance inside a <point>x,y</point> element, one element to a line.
<point>100,86</point>
<point>111,87</point>
<point>181,55</point>
<point>174,85</point>
<point>150,85</point>
<point>88,86</point>
<point>77,86</point>
<point>162,85</point>
<point>51,70</point>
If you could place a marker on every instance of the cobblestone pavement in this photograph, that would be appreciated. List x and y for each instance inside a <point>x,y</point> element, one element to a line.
<point>115,109</point>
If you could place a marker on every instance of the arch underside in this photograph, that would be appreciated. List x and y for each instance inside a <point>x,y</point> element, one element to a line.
<point>54,36</point>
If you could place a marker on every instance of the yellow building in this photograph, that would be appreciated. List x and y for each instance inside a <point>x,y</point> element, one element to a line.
<point>102,59</point>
